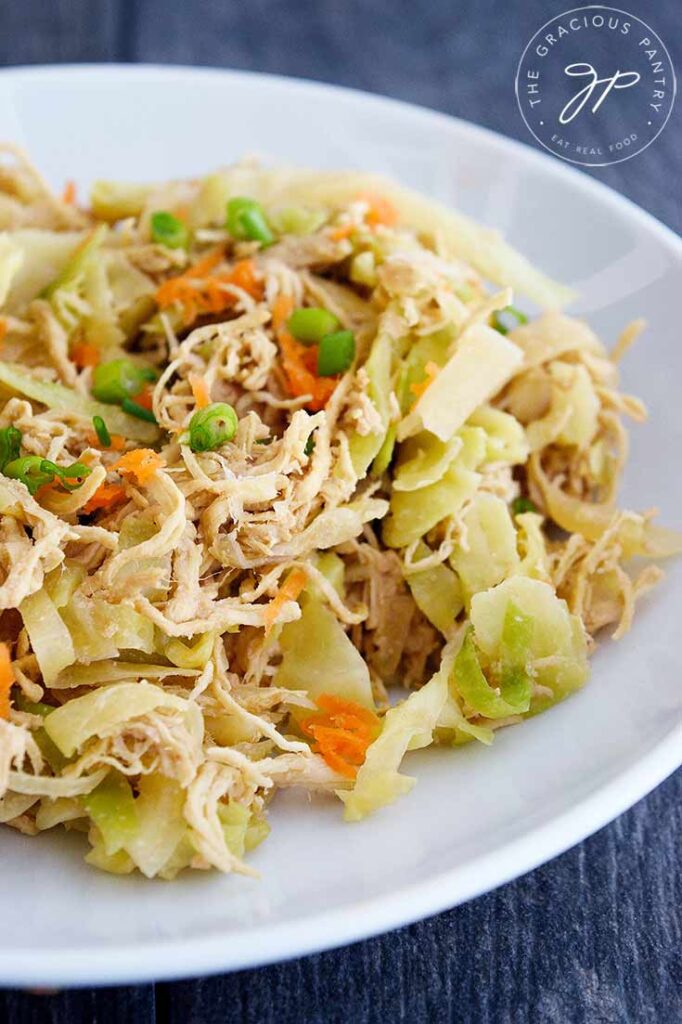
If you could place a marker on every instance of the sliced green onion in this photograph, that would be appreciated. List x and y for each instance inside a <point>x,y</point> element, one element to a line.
<point>212,427</point>
<point>28,470</point>
<point>34,471</point>
<point>296,220</point>
<point>520,505</point>
<point>134,408</point>
<point>103,435</point>
<point>77,471</point>
<point>119,379</point>
<point>246,220</point>
<point>508,311</point>
<point>309,446</point>
<point>168,230</point>
<point>336,353</point>
<point>310,325</point>
<point>10,445</point>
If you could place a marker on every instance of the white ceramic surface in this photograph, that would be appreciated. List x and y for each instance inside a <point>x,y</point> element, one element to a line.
<point>477,817</point>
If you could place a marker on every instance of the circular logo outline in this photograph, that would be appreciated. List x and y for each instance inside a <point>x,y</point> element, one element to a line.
<point>564,14</point>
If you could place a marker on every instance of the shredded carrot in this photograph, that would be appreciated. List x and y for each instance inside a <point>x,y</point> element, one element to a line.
<point>344,231</point>
<point>381,211</point>
<point>206,264</point>
<point>289,591</point>
<point>431,370</point>
<point>69,193</point>
<point>199,387</point>
<point>6,680</point>
<point>342,731</point>
<point>46,490</point>
<point>3,328</point>
<point>198,291</point>
<point>106,496</point>
<point>145,398</point>
<point>296,360</point>
<point>84,354</point>
<point>281,311</point>
<point>118,442</point>
<point>141,463</point>
<point>245,276</point>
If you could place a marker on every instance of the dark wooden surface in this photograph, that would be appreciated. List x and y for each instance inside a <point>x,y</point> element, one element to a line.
<point>596,935</point>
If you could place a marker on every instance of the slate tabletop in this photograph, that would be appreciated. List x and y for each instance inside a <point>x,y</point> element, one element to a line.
<point>595,936</point>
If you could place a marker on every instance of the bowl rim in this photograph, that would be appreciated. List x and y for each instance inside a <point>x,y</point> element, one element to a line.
<point>259,945</point>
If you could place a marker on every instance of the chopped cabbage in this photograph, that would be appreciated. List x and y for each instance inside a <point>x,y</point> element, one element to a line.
<point>160,823</point>
<point>31,259</point>
<point>335,526</point>
<point>100,326</point>
<point>12,805</point>
<point>437,592</point>
<point>423,460</point>
<point>116,864</point>
<point>408,726</point>
<point>385,454</point>
<point>208,208</point>
<point>512,694</point>
<point>332,568</point>
<point>552,335</point>
<point>481,365</point>
<point>242,829</point>
<point>505,437</point>
<point>487,551</point>
<point>298,220</point>
<point>79,260</point>
<point>55,812</point>
<point>318,657</point>
<point>363,448</point>
<point>49,636</point>
<point>131,291</point>
<point>75,722</point>
<point>572,418</point>
<point>532,546</point>
<point>115,200</point>
<point>111,807</point>
<point>414,513</point>
<point>432,348</point>
<point>48,749</point>
<point>62,582</point>
<point>557,649</point>
<point>190,655</point>
<point>11,260</point>
<point>110,671</point>
<point>99,630</point>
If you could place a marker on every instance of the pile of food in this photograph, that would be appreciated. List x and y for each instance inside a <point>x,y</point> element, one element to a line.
<point>287,490</point>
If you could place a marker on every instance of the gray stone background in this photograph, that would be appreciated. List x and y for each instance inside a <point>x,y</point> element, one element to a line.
<point>596,935</point>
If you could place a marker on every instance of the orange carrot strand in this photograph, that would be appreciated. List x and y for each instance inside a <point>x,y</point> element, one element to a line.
<point>342,731</point>
<point>200,391</point>
<point>106,496</point>
<point>69,193</point>
<point>83,354</point>
<point>140,463</point>
<point>6,680</point>
<point>289,591</point>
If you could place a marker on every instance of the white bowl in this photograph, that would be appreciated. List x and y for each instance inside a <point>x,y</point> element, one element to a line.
<point>477,817</point>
